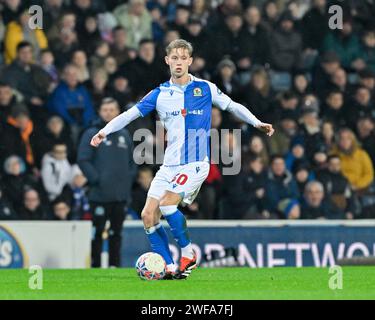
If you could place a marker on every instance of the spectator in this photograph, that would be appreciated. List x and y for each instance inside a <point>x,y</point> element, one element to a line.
<point>302,173</point>
<point>90,35</point>
<point>314,25</point>
<point>296,155</point>
<point>362,106</point>
<point>310,133</point>
<point>328,132</point>
<point>102,51</point>
<point>328,64</point>
<point>335,109</point>
<point>286,103</point>
<point>226,79</point>
<point>145,72</point>
<point>368,49</point>
<point>16,180</point>
<point>280,184</point>
<point>301,85</point>
<point>47,63</point>
<point>52,10</point>
<point>255,47</point>
<point>67,22</point>
<point>120,90</point>
<point>257,94</point>
<point>82,10</point>
<point>181,20</point>
<point>355,162</point>
<point>315,206</point>
<point>285,130</point>
<point>286,46</point>
<point>108,200</point>
<point>7,101</point>
<point>197,36</point>
<point>54,132</point>
<point>136,21</point>
<point>19,136</point>
<point>254,188</point>
<point>200,10</point>
<point>19,31</point>
<point>28,78</point>
<point>79,60</point>
<point>56,172</point>
<point>80,205</point>
<point>226,40</point>
<point>61,210</point>
<point>271,15</point>
<point>32,208</point>
<point>98,86</point>
<point>367,79</point>
<point>6,210</point>
<point>339,81</point>
<point>337,187</point>
<point>119,49</point>
<point>64,46</point>
<point>257,147</point>
<point>366,135</point>
<point>70,100</point>
<point>11,10</point>
<point>346,44</point>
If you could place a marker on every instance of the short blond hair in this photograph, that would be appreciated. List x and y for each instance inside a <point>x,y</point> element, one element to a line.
<point>177,44</point>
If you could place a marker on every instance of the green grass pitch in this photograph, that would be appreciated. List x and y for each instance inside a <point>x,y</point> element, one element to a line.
<point>224,283</point>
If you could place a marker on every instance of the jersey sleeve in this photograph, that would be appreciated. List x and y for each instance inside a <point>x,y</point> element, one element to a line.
<point>219,98</point>
<point>148,102</point>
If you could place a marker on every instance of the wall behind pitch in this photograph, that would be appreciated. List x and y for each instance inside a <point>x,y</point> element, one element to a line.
<point>63,244</point>
<point>267,244</point>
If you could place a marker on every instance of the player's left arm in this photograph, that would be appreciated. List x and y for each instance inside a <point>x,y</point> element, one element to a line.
<point>224,102</point>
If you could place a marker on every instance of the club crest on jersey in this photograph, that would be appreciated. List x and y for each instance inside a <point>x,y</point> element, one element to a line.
<point>197,92</point>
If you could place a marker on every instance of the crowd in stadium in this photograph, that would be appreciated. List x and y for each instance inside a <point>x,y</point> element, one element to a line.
<point>280,59</point>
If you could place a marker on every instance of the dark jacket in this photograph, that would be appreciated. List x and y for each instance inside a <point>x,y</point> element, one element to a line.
<point>31,81</point>
<point>39,213</point>
<point>280,188</point>
<point>338,189</point>
<point>285,50</point>
<point>110,168</point>
<point>326,210</point>
<point>74,106</point>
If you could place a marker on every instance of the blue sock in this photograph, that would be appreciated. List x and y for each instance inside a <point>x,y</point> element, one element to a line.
<point>163,234</point>
<point>158,244</point>
<point>177,222</point>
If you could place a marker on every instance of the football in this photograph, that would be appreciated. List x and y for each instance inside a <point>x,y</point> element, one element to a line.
<point>151,266</point>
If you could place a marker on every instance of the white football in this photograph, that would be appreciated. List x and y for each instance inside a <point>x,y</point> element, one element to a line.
<point>151,266</point>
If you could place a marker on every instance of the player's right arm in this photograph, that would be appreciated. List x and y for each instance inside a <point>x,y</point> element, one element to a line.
<point>141,109</point>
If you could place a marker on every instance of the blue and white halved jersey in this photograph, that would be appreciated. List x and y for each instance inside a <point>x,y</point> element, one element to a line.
<point>185,112</point>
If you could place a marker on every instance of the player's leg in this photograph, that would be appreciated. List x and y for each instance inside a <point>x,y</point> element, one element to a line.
<point>155,231</point>
<point>184,186</point>
<point>177,222</point>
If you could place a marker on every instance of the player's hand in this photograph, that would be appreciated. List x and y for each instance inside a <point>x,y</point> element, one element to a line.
<point>266,128</point>
<point>98,139</point>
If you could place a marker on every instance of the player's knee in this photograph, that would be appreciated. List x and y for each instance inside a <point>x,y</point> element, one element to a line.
<point>148,217</point>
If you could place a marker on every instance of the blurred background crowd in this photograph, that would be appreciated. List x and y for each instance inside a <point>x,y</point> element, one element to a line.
<point>96,58</point>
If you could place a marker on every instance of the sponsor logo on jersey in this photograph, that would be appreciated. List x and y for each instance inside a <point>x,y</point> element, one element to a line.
<point>11,251</point>
<point>197,92</point>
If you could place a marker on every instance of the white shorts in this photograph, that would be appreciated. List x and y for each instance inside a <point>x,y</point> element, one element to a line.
<point>186,180</point>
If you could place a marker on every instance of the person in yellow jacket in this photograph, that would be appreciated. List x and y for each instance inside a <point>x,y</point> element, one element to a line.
<point>18,31</point>
<point>355,162</point>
